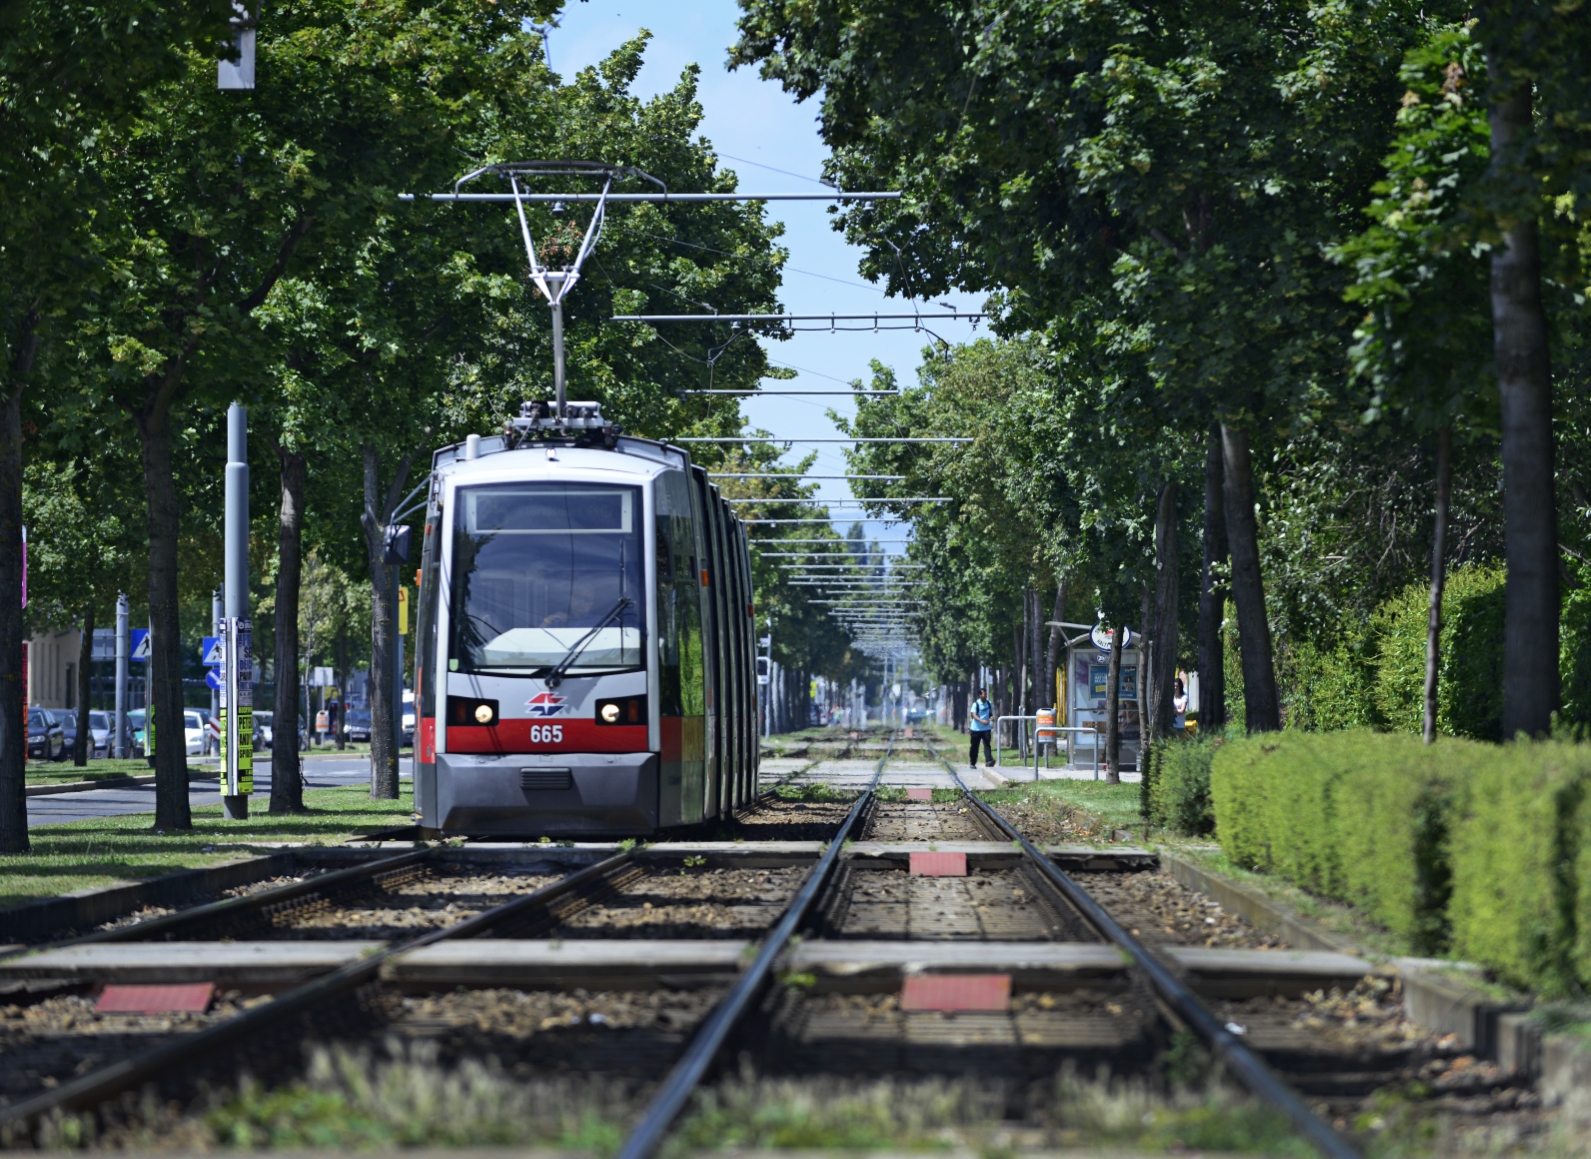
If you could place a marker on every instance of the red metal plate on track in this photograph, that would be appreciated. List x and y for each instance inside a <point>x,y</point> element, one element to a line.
<point>175,999</point>
<point>939,864</point>
<point>919,794</point>
<point>981,993</point>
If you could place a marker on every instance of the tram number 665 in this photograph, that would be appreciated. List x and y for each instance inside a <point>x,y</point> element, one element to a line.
<point>546,733</point>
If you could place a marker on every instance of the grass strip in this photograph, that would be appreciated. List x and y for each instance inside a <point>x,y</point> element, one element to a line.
<point>79,855</point>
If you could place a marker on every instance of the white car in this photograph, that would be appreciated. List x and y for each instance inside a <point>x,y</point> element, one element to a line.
<point>193,720</point>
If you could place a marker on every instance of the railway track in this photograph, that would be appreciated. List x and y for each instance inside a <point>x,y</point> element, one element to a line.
<point>648,968</point>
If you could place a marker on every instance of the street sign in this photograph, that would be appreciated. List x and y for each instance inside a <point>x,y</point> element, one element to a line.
<point>138,644</point>
<point>104,644</point>
<point>212,677</point>
<point>322,677</point>
<point>211,651</point>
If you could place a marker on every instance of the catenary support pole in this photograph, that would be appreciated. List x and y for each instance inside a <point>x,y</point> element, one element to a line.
<point>237,772</point>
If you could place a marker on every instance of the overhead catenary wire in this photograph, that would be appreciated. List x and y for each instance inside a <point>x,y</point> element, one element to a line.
<point>650,198</point>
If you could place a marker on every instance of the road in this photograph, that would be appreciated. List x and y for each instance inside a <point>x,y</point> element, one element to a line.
<point>320,772</point>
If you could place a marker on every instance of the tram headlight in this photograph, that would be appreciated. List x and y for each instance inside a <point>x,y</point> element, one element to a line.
<point>622,710</point>
<point>470,712</point>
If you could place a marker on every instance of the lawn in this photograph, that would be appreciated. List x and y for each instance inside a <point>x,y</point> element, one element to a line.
<point>55,772</point>
<point>87,854</point>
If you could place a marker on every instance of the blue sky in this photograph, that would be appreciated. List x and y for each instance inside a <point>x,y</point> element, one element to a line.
<point>757,128</point>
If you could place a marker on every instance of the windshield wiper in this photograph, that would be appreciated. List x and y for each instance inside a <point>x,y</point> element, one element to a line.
<point>556,675</point>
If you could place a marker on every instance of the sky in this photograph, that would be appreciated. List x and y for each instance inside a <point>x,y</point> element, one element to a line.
<point>772,144</point>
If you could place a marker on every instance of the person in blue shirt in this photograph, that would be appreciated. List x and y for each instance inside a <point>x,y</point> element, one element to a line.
<point>979,727</point>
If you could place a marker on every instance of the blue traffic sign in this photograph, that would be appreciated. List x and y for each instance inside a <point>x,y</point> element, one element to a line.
<point>210,649</point>
<point>212,677</point>
<point>138,644</point>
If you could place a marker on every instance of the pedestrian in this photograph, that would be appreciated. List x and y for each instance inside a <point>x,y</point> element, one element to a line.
<point>979,727</point>
<point>1179,706</point>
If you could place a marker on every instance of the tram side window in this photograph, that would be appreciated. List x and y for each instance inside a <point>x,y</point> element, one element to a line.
<point>681,690</point>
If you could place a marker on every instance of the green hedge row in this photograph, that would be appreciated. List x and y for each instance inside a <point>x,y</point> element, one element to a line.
<point>1479,850</point>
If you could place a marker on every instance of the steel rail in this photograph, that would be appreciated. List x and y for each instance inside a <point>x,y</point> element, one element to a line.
<point>1250,1069</point>
<point>94,1088</point>
<point>688,1072</point>
<point>231,906</point>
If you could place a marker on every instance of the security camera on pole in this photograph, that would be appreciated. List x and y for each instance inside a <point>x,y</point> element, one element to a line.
<point>237,654</point>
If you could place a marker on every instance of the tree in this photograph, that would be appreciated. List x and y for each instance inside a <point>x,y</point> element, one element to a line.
<point>1537,58</point>
<point>221,194</point>
<point>1164,180</point>
<point>82,543</point>
<point>67,74</point>
<point>1424,347</point>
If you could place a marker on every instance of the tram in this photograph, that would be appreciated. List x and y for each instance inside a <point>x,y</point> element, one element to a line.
<point>586,663</point>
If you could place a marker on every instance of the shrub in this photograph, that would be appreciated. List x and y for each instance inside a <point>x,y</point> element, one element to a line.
<point>1178,796</point>
<point>1374,677</point>
<point>1354,815</point>
<point>1483,849</point>
<point>1522,867</point>
<point>1325,691</point>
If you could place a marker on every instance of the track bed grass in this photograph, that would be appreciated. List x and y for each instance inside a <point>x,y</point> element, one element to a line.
<point>89,854</point>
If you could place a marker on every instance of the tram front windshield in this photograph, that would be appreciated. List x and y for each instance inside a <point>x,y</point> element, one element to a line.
<point>536,567</point>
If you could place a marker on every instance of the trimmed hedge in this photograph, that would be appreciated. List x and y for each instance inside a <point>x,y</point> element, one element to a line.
<point>1175,791</point>
<point>1355,815</point>
<point>1522,866</point>
<point>1483,850</point>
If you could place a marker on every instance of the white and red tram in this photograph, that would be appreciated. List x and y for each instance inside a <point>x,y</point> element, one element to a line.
<point>586,662</point>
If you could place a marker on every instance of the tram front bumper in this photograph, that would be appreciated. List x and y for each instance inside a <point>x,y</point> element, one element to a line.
<point>547,794</point>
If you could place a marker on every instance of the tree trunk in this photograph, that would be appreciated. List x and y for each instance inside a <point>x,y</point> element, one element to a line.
<point>1212,594</point>
<point>84,743</point>
<point>287,769</point>
<point>1433,631</point>
<point>1019,675</point>
<point>1113,711</point>
<point>383,622</point>
<point>1164,633</point>
<point>1524,384</point>
<point>165,629</point>
<point>13,725</point>
<point>1261,706</point>
<point>1052,651</point>
<point>342,679</point>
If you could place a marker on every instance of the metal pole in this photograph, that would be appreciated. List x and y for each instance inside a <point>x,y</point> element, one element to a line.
<point>557,359</point>
<point>237,772</point>
<point>217,614</point>
<point>121,748</point>
<point>397,679</point>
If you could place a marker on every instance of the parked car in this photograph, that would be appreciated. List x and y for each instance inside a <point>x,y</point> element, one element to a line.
<point>193,721</point>
<point>135,725</point>
<point>356,725</point>
<point>98,732</point>
<point>264,733</point>
<point>46,737</point>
